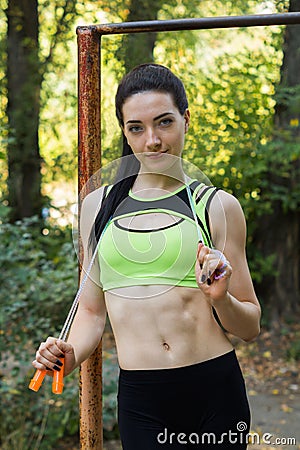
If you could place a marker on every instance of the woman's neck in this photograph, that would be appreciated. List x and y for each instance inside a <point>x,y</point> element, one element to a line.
<point>146,181</point>
<point>168,178</point>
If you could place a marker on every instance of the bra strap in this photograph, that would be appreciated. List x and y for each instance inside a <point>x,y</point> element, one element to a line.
<point>200,237</point>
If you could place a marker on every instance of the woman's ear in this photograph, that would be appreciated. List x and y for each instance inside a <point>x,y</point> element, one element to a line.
<point>187,117</point>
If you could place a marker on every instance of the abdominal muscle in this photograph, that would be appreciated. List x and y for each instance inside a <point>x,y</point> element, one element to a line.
<point>158,327</point>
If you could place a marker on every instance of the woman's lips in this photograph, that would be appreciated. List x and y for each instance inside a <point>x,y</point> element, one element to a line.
<point>155,155</point>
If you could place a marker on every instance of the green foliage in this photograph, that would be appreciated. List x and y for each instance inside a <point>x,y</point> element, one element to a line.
<point>58,94</point>
<point>35,277</point>
<point>38,280</point>
<point>230,77</point>
<point>36,420</point>
<point>293,352</point>
<point>293,349</point>
<point>280,176</point>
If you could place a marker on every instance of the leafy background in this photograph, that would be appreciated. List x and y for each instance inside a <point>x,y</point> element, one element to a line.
<point>232,79</point>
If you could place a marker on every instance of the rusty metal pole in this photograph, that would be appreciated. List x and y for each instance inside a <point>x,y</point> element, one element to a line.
<point>89,162</point>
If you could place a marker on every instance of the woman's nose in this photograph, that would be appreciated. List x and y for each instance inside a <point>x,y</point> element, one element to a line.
<point>153,140</point>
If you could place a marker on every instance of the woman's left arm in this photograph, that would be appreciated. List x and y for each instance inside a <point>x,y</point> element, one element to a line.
<point>223,274</point>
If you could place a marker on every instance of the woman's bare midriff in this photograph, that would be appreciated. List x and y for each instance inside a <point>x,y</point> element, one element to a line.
<point>157,327</point>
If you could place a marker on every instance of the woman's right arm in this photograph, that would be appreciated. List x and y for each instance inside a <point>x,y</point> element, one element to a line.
<point>89,321</point>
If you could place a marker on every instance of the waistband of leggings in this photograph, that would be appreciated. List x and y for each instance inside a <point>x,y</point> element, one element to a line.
<point>225,360</point>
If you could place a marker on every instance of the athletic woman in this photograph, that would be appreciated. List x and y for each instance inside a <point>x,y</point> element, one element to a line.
<point>172,275</point>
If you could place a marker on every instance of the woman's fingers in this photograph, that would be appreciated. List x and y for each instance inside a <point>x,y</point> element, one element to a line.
<point>213,265</point>
<point>48,354</point>
<point>225,270</point>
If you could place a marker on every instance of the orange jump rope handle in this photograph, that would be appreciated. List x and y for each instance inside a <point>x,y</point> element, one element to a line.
<point>37,380</point>
<point>58,379</point>
<point>57,383</point>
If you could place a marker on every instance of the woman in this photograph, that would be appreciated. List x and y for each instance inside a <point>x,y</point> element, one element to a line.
<point>170,290</point>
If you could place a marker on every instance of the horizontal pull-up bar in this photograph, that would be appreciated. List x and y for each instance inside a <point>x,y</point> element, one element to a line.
<point>204,23</point>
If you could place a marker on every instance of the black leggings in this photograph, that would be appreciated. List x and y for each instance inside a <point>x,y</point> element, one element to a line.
<point>199,406</point>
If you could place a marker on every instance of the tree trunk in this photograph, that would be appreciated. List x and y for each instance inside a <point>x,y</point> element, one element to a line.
<point>139,47</point>
<point>23,80</point>
<point>279,234</point>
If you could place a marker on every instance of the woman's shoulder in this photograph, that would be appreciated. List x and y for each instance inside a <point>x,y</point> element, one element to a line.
<point>226,215</point>
<point>91,205</point>
<point>226,201</point>
<point>93,200</point>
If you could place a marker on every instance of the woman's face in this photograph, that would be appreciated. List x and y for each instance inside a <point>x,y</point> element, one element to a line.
<point>153,125</point>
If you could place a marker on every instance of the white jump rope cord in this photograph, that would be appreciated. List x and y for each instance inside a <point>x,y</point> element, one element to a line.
<point>70,317</point>
<point>192,205</point>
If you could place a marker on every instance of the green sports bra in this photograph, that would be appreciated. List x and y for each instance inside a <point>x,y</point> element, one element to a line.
<point>164,254</point>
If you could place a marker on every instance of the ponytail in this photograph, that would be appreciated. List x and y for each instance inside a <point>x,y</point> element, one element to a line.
<point>125,178</point>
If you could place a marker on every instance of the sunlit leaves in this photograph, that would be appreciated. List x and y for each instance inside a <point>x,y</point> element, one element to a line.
<point>56,25</point>
<point>231,87</point>
<point>229,76</point>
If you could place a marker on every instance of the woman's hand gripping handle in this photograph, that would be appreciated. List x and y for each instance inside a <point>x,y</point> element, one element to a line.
<point>53,357</point>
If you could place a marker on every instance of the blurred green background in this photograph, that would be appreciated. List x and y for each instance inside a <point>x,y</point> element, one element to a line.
<point>244,93</point>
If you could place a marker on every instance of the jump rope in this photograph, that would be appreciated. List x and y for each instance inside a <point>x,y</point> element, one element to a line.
<point>58,376</point>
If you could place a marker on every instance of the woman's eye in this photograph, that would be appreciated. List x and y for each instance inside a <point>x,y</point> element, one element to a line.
<point>166,122</point>
<point>135,129</point>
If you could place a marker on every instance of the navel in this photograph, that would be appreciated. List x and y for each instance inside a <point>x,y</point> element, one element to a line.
<point>166,346</point>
